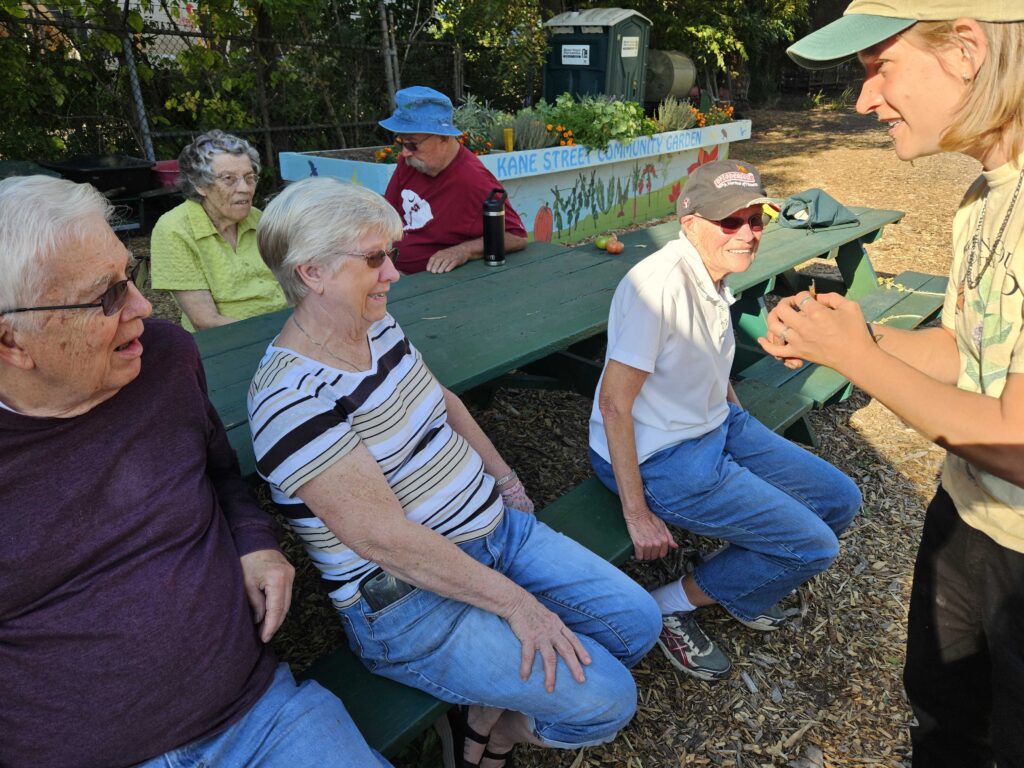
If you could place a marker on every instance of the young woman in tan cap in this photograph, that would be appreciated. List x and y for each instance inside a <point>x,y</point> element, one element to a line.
<point>950,85</point>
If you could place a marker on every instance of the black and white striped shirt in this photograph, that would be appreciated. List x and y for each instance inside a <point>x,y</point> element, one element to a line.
<point>305,416</point>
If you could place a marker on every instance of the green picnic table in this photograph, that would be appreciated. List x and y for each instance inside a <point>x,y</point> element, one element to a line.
<point>538,312</point>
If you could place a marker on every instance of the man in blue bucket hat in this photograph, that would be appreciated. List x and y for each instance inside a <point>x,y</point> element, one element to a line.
<point>439,187</point>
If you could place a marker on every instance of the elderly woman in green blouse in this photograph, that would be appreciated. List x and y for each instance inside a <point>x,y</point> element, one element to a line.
<point>204,250</point>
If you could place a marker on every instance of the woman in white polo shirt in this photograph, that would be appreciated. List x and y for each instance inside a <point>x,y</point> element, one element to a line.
<point>668,434</point>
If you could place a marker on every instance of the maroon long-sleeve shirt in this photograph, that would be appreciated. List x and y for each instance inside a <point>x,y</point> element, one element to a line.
<point>125,631</point>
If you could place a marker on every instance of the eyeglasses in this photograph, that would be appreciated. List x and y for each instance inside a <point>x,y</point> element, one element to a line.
<point>111,300</point>
<point>733,224</point>
<point>230,180</point>
<point>411,146</point>
<point>376,259</point>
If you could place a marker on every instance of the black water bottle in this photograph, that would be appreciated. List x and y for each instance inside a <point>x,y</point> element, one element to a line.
<point>494,228</point>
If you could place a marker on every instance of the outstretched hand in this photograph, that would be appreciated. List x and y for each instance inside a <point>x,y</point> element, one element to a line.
<point>540,630</point>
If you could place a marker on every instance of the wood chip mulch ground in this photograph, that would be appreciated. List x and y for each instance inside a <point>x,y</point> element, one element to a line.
<point>826,690</point>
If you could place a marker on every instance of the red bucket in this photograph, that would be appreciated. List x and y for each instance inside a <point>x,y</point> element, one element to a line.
<point>166,172</point>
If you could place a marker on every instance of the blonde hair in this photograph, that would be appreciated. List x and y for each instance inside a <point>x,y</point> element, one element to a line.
<point>992,108</point>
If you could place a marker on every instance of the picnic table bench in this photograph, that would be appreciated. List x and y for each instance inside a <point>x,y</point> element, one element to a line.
<point>545,312</point>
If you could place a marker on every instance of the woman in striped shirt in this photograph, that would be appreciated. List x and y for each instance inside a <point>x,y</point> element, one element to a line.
<point>443,579</point>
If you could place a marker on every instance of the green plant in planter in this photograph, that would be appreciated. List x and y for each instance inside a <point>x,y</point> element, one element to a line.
<point>476,118</point>
<point>529,130</point>
<point>676,115</point>
<point>595,121</point>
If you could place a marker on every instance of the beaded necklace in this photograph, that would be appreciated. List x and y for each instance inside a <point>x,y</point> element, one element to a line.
<point>976,244</point>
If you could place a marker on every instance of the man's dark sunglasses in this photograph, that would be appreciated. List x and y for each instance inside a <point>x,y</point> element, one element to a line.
<point>732,224</point>
<point>411,146</point>
<point>110,301</point>
<point>376,259</point>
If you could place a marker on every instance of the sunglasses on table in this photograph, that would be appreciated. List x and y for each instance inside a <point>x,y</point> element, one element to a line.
<point>110,301</point>
<point>376,258</point>
<point>732,224</point>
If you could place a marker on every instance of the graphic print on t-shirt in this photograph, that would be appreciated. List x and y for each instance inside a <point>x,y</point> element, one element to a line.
<point>416,210</point>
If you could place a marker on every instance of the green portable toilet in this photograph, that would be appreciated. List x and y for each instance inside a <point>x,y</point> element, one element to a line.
<point>598,51</point>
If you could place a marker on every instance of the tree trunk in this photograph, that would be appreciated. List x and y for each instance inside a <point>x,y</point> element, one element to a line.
<point>385,44</point>
<point>261,31</point>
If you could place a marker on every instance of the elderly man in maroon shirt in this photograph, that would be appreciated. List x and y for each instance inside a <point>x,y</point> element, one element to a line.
<point>139,580</point>
<point>439,188</point>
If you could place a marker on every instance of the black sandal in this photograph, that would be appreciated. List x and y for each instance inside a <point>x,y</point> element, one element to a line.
<point>506,756</point>
<point>453,730</point>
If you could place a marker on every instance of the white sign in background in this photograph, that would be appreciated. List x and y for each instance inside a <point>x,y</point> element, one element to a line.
<point>630,47</point>
<point>576,54</point>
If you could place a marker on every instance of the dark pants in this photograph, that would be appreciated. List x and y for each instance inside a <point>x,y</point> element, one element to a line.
<point>965,646</point>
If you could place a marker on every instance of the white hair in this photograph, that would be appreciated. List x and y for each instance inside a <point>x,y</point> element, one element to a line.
<point>38,215</point>
<point>195,162</point>
<point>317,221</point>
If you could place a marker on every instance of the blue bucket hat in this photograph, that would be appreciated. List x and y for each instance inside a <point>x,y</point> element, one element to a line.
<point>421,110</point>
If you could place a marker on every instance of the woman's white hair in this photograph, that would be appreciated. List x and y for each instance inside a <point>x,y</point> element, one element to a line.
<point>38,215</point>
<point>317,221</point>
<point>195,162</point>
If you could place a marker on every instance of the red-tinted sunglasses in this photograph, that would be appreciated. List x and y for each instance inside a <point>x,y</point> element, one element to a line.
<point>733,224</point>
<point>376,259</point>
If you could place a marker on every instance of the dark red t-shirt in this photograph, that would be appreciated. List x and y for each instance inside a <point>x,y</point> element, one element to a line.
<point>444,210</point>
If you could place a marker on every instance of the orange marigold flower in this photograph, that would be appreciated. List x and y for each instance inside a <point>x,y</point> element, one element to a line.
<point>548,126</point>
<point>568,133</point>
<point>488,144</point>
<point>559,128</point>
<point>562,143</point>
<point>388,150</point>
<point>571,142</point>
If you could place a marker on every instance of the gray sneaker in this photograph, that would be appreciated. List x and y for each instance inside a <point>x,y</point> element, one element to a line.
<point>770,619</point>
<point>689,649</point>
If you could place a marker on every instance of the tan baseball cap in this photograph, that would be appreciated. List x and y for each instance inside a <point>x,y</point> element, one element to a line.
<point>868,22</point>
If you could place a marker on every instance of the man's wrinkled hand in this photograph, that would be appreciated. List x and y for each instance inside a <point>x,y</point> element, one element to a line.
<point>651,537</point>
<point>446,260</point>
<point>268,585</point>
<point>541,631</point>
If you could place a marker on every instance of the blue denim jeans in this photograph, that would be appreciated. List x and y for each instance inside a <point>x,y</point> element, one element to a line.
<point>297,726</point>
<point>779,508</point>
<point>465,655</point>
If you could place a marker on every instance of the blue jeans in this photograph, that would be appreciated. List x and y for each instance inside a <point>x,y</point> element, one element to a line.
<point>779,508</point>
<point>298,726</point>
<point>465,655</point>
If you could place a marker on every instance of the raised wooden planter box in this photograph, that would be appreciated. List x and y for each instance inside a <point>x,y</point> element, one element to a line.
<point>567,194</point>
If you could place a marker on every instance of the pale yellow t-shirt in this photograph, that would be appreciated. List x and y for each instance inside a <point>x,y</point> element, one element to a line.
<point>984,307</point>
<point>189,254</point>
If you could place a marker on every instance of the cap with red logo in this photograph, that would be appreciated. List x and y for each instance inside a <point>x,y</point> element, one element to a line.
<point>717,189</point>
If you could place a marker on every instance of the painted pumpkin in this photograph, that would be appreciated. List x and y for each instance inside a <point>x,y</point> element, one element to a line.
<point>543,225</point>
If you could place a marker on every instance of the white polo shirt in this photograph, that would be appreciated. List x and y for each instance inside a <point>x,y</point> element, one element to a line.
<point>668,319</point>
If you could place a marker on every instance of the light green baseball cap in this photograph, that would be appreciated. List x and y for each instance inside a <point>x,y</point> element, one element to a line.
<point>865,23</point>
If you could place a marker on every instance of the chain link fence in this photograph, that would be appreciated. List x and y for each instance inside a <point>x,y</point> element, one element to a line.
<point>77,87</point>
